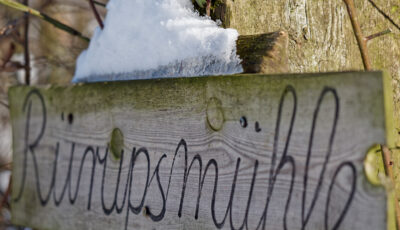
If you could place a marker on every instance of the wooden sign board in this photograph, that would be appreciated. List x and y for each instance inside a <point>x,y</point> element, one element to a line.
<point>230,152</point>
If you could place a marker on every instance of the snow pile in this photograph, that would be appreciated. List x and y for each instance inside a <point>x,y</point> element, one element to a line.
<point>155,39</point>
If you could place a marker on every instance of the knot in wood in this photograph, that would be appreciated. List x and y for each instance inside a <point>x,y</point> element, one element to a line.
<point>117,143</point>
<point>215,115</point>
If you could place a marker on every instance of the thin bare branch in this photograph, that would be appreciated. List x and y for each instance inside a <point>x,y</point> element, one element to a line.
<point>370,37</point>
<point>6,64</point>
<point>99,3</point>
<point>96,14</point>
<point>362,43</point>
<point>388,163</point>
<point>387,17</point>
<point>56,23</point>
<point>208,8</point>
<point>4,104</point>
<point>8,56</point>
<point>26,48</point>
<point>12,66</point>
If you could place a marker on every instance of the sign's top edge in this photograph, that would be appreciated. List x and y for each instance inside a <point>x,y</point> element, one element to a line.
<point>378,73</point>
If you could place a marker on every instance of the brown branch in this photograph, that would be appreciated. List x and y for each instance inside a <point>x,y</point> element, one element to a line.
<point>387,17</point>
<point>387,160</point>
<point>7,65</point>
<point>8,56</point>
<point>45,17</point>
<point>26,49</point>
<point>208,8</point>
<point>370,37</point>
<point>99,3</point>
<point>4,104</point>
<point>362,43</point>
<point>96,14</point>
<point>12,66</point>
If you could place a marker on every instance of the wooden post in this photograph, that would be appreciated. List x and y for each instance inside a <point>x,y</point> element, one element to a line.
<point>264,53</point>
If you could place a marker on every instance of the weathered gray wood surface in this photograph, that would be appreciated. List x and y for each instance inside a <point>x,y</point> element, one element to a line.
<point>333,118</point>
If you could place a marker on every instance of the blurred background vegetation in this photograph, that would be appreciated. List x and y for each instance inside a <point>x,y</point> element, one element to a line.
<point>52,56</point>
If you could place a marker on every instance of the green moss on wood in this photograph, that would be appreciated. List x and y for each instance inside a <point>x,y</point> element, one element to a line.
<point>117,143</point>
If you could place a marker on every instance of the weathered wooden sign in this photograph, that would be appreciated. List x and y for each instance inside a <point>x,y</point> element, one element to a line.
<point>229,152</point>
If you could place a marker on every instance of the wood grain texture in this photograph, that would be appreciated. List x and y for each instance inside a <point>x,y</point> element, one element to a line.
<point>301,167</point>
<point>263,53</point>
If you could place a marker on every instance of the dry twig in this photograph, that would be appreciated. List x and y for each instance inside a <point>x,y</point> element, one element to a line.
<point>208,8</point>
<point>56,23</point>
<point>96,14</point>
<point>4,104</point>
<point>384,14</point>
<point>26,49</point>
<point>370,37</point>
<point>8,56</point>
<point>7,65</point>
<point>98,3</point>
<point>387,160</point>
<point>362,43</point>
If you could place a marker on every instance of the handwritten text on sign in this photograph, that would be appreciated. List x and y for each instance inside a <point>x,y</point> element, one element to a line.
<point>228,152</point>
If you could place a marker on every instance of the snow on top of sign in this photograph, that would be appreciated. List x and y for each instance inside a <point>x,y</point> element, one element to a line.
<point>155,39</point>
